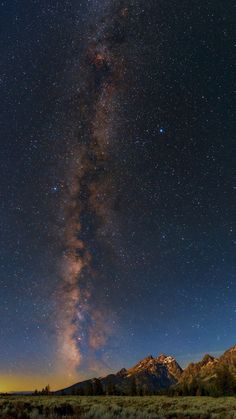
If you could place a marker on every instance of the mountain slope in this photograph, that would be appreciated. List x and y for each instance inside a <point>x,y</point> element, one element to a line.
<point>151,375</point>
<point>208,367</point>
<point>204,370</point>
<point>229,359</point>
<point>148,376</point>
<point>211,376</point>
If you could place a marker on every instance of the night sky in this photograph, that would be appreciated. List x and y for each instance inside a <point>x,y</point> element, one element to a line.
<point>117,187</point>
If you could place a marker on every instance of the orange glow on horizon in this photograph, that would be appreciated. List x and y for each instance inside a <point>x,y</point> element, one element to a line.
<point>27,382</point>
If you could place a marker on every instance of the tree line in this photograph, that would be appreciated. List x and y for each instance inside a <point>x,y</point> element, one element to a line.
<point>96,388</point>
<point>223,384</point>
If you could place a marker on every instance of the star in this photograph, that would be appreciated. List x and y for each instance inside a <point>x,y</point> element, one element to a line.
<point>55,188</point>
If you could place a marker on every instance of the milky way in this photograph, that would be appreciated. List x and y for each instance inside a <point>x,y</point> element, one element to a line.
<point>90,191</point>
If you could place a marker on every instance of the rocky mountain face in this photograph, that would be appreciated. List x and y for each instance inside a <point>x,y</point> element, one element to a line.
<point>209,377</point>
<point>155,373</point>
<point>152,375</point>
<point>229,359</point>
<point>173,366</point>
<point>207,368</point>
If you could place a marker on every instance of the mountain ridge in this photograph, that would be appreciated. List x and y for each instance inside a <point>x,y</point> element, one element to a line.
<point>152,375</point>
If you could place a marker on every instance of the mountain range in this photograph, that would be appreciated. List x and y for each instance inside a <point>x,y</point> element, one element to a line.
<point>207,369</point>
<point>153,375</point>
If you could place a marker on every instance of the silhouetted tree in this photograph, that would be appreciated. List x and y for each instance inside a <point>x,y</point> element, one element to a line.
<point>88,390</point>
<point>110,389</point>
<point>80,391</point>
<point>193,387</point>
<point>46,391</point>
<point>97,387</point>
<point>146,390</point>
<point>225,383</point>
<point>133,387</point>
<point>140,391</point>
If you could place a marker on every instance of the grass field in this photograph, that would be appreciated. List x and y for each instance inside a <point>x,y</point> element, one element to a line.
<point>36,407</point>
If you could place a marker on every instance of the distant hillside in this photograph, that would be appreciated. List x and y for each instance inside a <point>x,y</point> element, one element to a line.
<point>213,376</point>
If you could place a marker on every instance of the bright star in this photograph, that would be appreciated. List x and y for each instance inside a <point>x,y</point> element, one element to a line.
<point>55,188</point>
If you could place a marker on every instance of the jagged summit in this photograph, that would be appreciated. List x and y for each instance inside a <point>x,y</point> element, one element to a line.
<point>152,374</point>
<point>122,372</point>
<point>207,358</point>
<point>229,357</point>
<point>155,365</point>
<point>231,350</point>
<point>207,368</point>
<point>144,363</point>
<point>165,358</point>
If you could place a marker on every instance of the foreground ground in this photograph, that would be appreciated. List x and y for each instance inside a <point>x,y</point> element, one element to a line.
<point>35,407</point>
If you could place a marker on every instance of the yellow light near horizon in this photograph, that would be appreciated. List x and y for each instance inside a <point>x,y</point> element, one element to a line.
<point>11,383</point>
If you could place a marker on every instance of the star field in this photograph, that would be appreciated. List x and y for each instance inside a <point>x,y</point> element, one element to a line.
<point>117,163</point>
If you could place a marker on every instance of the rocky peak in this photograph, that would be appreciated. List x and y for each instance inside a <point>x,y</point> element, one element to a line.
<point>160,373</point>
<point>231,350</point>
<point>165,359</point>
<point>147,359</point>
<point>229,357</point>
<point>163,364</point>
<point>122,372</point>
<point>145,362</point>
<point>207,359</point>
<point>148,364</point>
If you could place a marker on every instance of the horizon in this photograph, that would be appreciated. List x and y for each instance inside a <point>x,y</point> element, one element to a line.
<point>191,358</point>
